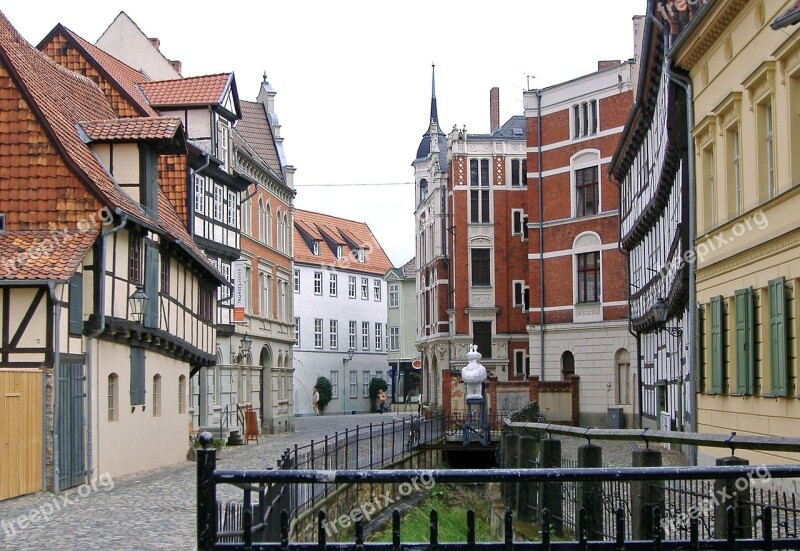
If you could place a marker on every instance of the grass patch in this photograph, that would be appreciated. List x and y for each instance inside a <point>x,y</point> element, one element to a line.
<point>452,503</point>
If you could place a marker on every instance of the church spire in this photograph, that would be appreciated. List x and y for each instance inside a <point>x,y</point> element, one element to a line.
<point>434,112</point>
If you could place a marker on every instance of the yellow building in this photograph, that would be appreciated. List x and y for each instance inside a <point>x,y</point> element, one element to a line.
<point>743,58</point>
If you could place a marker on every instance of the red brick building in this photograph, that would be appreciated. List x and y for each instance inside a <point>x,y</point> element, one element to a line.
<point>578,277</point>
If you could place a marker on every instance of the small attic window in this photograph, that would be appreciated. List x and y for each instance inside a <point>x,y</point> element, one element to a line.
<point>2,221</point>
<point>338,251</point>
<point>361,255</point>
<point>315,248</point>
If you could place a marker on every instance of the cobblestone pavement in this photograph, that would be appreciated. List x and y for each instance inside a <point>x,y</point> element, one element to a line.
<point>619,453</point>
<point>153,509</point>
<point>156,509</point>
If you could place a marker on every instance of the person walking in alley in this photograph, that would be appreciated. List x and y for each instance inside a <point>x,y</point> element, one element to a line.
<point>315,401</point>
<point>382,401</point>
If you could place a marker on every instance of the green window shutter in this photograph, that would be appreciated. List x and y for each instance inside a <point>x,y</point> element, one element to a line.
<point>777,336</point>
<point>76,304</point>
<point>137,376</point>
<point>744,341</point>
<point>151,287</point>
<point>701,350</point>
<point>716,345</point>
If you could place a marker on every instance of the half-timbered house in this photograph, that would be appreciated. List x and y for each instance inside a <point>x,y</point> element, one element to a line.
<point>651,165</point>
<point>106,303</point>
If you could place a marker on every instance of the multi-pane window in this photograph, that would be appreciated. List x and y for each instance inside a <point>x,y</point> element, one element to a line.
<point>521,295</point>
<point>394,338</point>
<point>351,286</point>
<point>734,172</point>
<point>297,281</point>
<point>352,335</point>
<point>222,142</point>
<point>766,152</point>
<point>247,217</point>
<point>365,335</point>
<point>317,283</point>
<point>394,295</point>
<point>364,288</point>
<point>378,337</point>
<point>333,284</point>
<point>297,331</point>
<point>164,273</point>
<point>218,208</point>
<point>353,384</point>
<point>365,379</point>
<point>481,272</point>
<point>134,258</point>
<point>334,334</point>
<point>519,169</point>
<point>182,394</point>
<point>265,294</point>
<point>284,307</point>
<point>584,119</point>
<point>231,208</point>
<point>376,289</point>
<point>113,397</point>
<point>317,333</point>
<point>709,188</point>
<point>479,191</point>
<point>334,378</point>
<point>199,194</point>
<point>587,191</point>
<point>519,223</point>
<point>589,277</point>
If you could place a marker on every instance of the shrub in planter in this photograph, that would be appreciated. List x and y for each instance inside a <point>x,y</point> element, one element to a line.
<point>325,389</point>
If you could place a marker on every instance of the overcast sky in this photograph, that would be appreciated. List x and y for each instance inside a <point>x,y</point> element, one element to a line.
<point>353,78</point>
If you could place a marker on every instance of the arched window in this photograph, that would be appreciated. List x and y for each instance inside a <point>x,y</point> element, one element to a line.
<point>268,225</point>
<point>279,231</point>
<point>622,376</point>
<point>287,239</point>
<point>113,397</point>
<point>586,248</point>
<point>182,394</point>
<point>157,395</point>
<point>261,226</point>
<point>567,365</point>
<point>247,217</point>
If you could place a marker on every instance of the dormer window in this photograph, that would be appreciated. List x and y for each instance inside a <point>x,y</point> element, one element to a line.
<point>360,255</point>
<point>222,142</point>
<point>338,251</point>
<point>2,221</point>
<point>315,248</point>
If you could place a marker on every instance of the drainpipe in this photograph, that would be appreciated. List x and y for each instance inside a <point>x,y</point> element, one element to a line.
<point>538,93</point>
<point>686,84</point>
<point>51,287</point>
<point>101,261</point>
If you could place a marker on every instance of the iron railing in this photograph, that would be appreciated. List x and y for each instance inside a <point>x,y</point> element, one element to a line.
<point>209,479</point>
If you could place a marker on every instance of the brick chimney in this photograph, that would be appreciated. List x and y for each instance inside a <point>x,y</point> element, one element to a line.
<point>607,64</point>
<point>494,109</point>
<point>156,43</point>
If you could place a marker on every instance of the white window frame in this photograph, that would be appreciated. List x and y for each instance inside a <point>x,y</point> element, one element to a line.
<point>318,333</point>
<point>334,378</point>
<point>351,286</point>
<point>317,283</point>
<point>333,284</point>
<point>218,208</point>
<point>353,335</point>
<point>394,295</point>
<point>232,208</point>
<point>394,338</point>
<point>296,281</point>
<point>366,377</point>
<point>333,337</point>
<point>365,335</point>
<point>364,288</point>
<point>376,289</point>
<point>378,336</point>
<point>199,194</point>
<point>353,383</point>
<point>296,332</point>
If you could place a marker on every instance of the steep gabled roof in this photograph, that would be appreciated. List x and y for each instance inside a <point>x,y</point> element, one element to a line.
<point>354,234</point>
<point>60,100</point>
<point>185,92</point>
<point>255,129</point>
<point>123,77</point>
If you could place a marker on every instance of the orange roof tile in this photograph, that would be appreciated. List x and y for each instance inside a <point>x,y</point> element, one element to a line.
<point>43,255</point>
<point>202,90</point>
<point>133,129</point>
<point>350,232</point>
<point>127,78</point>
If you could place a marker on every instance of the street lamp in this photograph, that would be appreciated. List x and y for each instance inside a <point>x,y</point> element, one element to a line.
<point>138,302</point>
<point>244,348</point>
<point>349,356</point>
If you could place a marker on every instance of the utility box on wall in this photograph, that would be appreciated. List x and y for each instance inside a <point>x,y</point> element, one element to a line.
<point>615,419</point>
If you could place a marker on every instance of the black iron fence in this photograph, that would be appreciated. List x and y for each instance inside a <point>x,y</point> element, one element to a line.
<point>585,536</point>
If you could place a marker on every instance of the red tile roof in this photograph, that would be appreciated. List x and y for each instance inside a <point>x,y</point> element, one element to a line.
<point>43,255</point>
<point>350,232</point>
<point>150,128</point>
<point>61,99</point>
<point>126,77</point>
<point>202,90</point>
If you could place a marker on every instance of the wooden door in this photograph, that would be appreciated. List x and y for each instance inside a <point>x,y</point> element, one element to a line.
<point>20,432</point>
